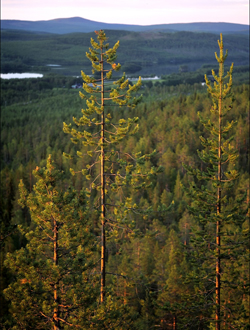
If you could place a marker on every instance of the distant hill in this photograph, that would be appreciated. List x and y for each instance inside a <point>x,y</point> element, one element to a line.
<point>78,24</point>
<point>140,53</point>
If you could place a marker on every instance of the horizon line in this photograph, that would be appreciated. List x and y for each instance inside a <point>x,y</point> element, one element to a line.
<point>61,18</point>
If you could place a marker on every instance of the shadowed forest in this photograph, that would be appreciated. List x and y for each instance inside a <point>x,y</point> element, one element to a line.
<point>126,207</point>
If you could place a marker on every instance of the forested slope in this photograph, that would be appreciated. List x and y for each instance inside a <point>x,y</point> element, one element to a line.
<point>156,276</point>
<point>32,129</point>
<point>140,53</point>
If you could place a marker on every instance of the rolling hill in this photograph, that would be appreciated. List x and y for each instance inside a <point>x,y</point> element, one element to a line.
<point>78,24</point>
<point>140,53</point>
<point>59,46</point>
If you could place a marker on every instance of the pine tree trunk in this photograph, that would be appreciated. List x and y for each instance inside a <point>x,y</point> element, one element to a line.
<point>217,316</point>
<point>55,257</point>
<point>185,241</point>
<point>103,239</point>
<point>174,323</point>
<point>218,224</point>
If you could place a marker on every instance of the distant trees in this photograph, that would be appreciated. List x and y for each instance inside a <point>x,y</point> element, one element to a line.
<point>160,264</point>
<point>132,67</point>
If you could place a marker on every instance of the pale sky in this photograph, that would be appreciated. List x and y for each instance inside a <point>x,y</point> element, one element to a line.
<point>139,12</point>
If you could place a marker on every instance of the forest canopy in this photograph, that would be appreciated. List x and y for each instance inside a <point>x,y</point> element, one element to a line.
<point>161,257</point>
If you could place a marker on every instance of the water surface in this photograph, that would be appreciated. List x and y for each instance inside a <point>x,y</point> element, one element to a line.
<point>20,75</point>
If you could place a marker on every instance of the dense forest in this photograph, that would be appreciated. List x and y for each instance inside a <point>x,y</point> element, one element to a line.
<point>140,53</point>
<point>163,243</point>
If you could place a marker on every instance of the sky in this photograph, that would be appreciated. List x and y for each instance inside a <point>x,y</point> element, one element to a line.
<point>138,12</point>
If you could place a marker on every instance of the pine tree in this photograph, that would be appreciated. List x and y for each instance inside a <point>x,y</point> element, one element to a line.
<point>53,285</point>
<point>170,273</point>
<point>212,205</point>
<point>101,141</point>
<point>6,231</point>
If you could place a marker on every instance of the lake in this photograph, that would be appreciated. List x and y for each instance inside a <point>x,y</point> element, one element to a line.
<point>20,75</point>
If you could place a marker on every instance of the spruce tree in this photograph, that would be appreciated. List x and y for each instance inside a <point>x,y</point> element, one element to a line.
<point>101,140</point>
<point>212,205</point>
<point>53,286</point>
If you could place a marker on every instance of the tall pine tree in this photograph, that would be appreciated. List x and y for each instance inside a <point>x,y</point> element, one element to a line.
<point>213,206</point>
<point>102,139</point>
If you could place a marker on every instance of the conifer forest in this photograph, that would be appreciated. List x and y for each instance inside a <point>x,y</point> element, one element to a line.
<point>125,203</point>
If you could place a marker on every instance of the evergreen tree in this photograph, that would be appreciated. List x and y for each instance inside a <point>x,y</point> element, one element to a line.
<point>212,204</point>
<point>102,141</point>
<point>171,269</point>
<point>53,286</point>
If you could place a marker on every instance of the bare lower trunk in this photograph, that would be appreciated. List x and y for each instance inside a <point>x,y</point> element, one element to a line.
<point>218,224</point>
<point>56,310</point>
<point>103,238</point>
<point>218,275</point>
<point>174,322</point>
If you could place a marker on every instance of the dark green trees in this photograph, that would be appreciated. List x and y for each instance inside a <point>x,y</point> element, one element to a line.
<point>150,282</point>
<point>53,279</point>
<point>219,216</point>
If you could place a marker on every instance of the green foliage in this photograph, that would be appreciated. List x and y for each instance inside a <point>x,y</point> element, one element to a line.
<point>136,265</point>
<point>216,245</point>
<point>157,53</point>
<point>102,139</point>
<point>55,269</point>
<point>104,132</point>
